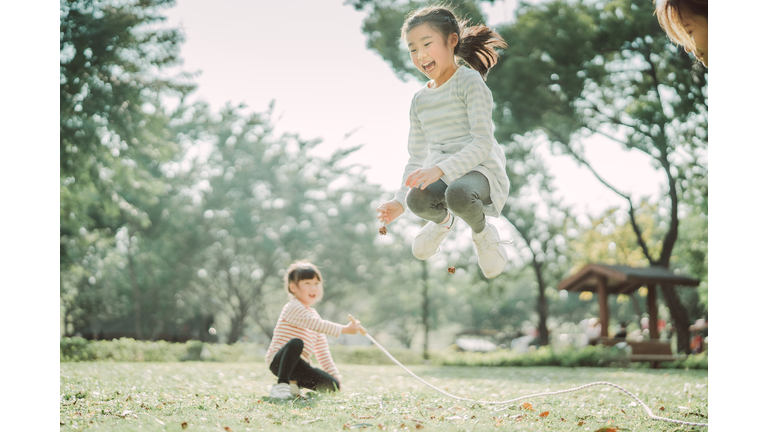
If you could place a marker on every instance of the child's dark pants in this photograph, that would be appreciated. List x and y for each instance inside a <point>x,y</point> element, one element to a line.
<point>464,197</point>
<point>289,366</point>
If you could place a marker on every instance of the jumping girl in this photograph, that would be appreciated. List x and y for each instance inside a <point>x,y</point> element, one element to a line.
<point>456,168</point>
<point>299,333</point>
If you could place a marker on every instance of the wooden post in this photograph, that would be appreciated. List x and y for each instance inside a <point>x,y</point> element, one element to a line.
<point>653,312</point>
<point>603,302</point>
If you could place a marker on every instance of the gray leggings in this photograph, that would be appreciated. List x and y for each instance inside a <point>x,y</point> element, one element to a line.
<point>465,198</point>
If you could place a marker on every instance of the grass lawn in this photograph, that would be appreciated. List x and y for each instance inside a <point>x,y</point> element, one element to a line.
<point>197,396</point>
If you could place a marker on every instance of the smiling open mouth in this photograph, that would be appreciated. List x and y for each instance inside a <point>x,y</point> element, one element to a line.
<point>428,67</point>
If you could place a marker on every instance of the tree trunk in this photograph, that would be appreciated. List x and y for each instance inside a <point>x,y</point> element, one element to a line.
<point>236,328</point>
<point>241,312</point>
<point>136,294</point>
<point>542,306</point>
<point>679,318</point>
<point>425,307</point>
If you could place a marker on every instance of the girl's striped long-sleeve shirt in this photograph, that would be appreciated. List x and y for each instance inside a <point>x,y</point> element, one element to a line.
<point>299,321</point>
<point>452,128</point>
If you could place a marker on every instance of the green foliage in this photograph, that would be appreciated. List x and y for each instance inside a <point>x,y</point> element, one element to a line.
<point>266,201</point>
<point>543,356</point>
<point>111,125</point>
<point>129,350</point>
<point>693,361</point>
<point>371,355</point>
<point>119,243</point>
<point>610,238</point>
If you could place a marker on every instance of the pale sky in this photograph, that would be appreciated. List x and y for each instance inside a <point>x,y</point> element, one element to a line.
<point>310,57</point>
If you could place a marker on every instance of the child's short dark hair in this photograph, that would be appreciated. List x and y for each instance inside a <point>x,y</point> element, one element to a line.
<point>299,271</point>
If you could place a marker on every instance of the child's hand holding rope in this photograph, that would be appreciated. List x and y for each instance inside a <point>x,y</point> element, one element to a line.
<point>353,327</point>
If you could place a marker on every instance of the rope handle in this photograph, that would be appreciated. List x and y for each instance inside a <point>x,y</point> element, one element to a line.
<point>354,321</point>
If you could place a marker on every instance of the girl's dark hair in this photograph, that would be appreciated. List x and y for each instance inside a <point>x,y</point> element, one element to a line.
<point>668,12</point>
<point>477,44</point>
<point>299,271</point>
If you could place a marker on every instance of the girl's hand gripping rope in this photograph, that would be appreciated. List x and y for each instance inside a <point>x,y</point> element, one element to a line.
<point>353,327</point>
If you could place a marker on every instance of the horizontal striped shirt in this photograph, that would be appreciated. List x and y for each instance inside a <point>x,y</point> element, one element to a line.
<point>303,322</point>
<point>452,128</point>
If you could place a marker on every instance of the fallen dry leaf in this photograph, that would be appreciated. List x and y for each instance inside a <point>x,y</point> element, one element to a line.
<point>247,420</point>
<point>183,425</point>
<point>661,409</point>
<point>382,427</point>
<point>419,426</point>
<point>544,414</point>
<point>227,428</point>
<point>528,406</point>
<point>606,430</point>
<point>579,423</point>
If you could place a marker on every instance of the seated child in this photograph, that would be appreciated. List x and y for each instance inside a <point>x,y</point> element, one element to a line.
<point>299,333</point>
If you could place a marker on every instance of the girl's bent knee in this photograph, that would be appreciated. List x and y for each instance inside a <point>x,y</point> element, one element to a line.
<point>459,198</point>
<point>419,201</point>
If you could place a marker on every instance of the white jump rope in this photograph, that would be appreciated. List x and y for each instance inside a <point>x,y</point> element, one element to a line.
<point>511,401</point>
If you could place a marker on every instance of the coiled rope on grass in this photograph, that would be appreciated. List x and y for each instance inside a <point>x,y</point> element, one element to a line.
<point>511,401</point>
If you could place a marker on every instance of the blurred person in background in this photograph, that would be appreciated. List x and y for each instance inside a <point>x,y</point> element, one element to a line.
<point>622,333</point>
<point>685,22</point>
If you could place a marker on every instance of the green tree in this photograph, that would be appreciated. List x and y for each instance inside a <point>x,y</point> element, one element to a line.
<point>114,143</point>
<point>267,201</point>
<point>111,130</point>
<point>580,69</point>
<point>540,220</point>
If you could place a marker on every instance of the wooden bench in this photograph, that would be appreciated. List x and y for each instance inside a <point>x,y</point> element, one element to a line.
<point>654,351</point>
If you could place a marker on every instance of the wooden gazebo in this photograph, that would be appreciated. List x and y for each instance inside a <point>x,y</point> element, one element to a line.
<point>606,279</point>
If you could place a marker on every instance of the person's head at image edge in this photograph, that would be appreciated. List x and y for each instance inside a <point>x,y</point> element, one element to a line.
<point>685,22</point>
<point>304,282</point>
<point>436,38</point>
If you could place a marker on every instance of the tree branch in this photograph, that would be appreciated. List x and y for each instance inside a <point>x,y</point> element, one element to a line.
<point>617,122</point>
<point>635,226</point>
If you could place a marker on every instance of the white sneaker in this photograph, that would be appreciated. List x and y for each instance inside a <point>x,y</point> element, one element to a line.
<point>491,255</point>
<point>295,390</point>
<point>280,391</point>
<point>428,240</point>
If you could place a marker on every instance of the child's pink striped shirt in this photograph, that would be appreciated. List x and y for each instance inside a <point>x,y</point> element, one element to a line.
<point>303,322</point>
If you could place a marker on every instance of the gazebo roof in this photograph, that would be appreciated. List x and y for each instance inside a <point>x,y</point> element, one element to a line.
<point>623,279</point>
